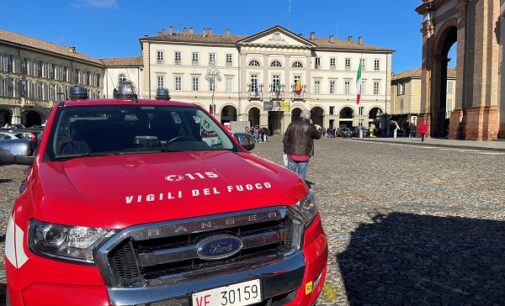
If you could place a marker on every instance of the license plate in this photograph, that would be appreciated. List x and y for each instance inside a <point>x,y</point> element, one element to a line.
<point>240,294</point>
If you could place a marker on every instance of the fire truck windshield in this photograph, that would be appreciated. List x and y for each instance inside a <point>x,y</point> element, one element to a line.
<point>129,129</point>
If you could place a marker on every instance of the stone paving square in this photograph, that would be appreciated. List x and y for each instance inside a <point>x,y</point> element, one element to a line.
<point>406,225</point>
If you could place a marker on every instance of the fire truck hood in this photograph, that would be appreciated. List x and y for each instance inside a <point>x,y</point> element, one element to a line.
<point>124,190</point>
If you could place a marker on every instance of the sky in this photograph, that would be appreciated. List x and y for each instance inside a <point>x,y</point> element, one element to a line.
<point>112,28</point>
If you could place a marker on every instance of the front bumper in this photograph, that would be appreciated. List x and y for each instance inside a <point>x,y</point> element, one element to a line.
<point>294,280</point>
<point>276,279</point>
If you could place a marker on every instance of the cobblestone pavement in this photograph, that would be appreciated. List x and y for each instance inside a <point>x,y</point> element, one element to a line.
<point>409,225</point>
<point>406,225</point>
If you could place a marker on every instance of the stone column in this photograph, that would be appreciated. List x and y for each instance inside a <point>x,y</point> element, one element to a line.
<point>456,122</point>
<point>482,115</point>
<point>242,76</point>
<point>264,118</point>
<point>285,121</point>
<point>146,86</point>
<point>501,133</point>
<point>326,121</point>
<point>428,30</point>
<point>16,116</point>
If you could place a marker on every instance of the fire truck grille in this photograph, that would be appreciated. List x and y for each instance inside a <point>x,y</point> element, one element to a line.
<point>157,255</point>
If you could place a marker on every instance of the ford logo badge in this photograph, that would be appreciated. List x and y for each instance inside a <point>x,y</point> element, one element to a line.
<point>218,247</point>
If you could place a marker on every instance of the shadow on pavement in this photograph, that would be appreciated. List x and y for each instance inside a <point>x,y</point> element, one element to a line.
<point>408,259</point>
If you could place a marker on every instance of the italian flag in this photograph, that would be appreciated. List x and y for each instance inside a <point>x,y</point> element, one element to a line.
<point>359,83</point>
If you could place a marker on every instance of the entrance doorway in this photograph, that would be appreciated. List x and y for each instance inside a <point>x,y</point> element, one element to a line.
<point>274,122</point>
<point>440,110</point>
<point>32,118</point>
<point>317,115</point>
<point>346,117</point>
<point>229,113</point>
<point>254,116</point>
<point>373,116</point>
<point>5,117</point>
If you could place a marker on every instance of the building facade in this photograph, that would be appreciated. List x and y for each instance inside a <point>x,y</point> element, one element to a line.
<point>406,95</point>
<point>35,74</point>
<point>267,78</point>
<point>119,70</point>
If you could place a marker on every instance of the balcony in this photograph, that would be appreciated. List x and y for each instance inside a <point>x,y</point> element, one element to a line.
<point>277,91</point>
<point>255,92</point>
<point>302,95</point>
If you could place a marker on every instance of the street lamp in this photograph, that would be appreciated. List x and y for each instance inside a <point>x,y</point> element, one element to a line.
<point>211,76</point>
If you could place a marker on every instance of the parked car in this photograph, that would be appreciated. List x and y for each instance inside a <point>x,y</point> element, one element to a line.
<point>15,147</point>
<point>7,135</point>
<point>246,140</point>
<point>344,132</point>
<point>355,131</point>
<point>30,134</point>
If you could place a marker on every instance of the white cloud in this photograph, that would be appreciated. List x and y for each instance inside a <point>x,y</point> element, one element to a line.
<point>98,4</point>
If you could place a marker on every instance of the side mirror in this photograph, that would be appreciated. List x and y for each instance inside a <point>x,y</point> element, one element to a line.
<point>246,140</point>
<point>7,158</point>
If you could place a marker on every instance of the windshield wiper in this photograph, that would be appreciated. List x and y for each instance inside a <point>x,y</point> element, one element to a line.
<point>86,154</point>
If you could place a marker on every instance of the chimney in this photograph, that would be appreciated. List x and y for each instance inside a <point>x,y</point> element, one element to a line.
<point>204,32</point>
<point>209,31</point>
<point>185,30</point>
<point>360,40</point>
<point>330,39</point>
<point>312,35</point>
<point>350,39</point>
<point>227,33</point>
<point>191,31</point>
<point>71,49</point>
<point>171,31</point>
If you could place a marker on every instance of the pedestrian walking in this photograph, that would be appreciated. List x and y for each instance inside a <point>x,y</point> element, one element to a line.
<point>423,129</point>
<point>299,143</point>
<point>256,134</point>
<point>329,132</point>
<point>266,132</point>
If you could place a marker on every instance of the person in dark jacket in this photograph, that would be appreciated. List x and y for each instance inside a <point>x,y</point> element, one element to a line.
<point>299,143</point>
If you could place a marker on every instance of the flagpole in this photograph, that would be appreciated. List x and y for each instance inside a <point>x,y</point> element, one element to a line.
<point>359,90</point>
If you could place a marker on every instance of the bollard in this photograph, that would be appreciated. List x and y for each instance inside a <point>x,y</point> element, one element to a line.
<point>360,133</point>
<point>394,133</point>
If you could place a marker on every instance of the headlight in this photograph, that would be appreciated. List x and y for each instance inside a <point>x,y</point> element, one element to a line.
<point>74,243</point>
<point>304,213</point>
<point>306,209</point>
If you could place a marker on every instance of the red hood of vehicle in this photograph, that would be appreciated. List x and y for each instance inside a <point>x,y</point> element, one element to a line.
<point>119,191</point>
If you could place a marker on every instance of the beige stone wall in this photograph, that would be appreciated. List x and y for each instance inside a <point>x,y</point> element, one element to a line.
<point>412,96</point>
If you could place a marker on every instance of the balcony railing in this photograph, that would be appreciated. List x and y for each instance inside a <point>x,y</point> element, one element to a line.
<point>277,91</point>
<point>255,92</point>
<point>301,94</point>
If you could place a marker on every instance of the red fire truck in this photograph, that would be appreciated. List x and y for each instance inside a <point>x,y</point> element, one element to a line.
<point>131,202</point>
